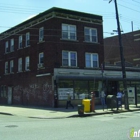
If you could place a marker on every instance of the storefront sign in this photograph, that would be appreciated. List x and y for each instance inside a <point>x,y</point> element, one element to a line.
<point>131,95</point>
<point>62,93</point>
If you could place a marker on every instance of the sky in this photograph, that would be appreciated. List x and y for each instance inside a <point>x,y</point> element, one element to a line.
<point>14,12</point>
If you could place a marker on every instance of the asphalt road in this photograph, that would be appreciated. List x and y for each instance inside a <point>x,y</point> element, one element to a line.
<point>102,127</point>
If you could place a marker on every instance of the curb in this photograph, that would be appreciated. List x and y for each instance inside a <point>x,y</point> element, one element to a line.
<point>102,113</point>
<point>2,113</point>
<point>78,115</point>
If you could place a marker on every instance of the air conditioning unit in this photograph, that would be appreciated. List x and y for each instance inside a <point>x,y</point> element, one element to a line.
<point>40,65</point>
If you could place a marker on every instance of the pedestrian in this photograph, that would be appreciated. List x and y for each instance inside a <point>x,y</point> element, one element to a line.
<point>119,98</point>
<point>68,103</point>
<point>102,97</point>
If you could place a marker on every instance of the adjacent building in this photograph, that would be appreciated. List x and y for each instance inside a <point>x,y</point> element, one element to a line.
<point>112,60</point>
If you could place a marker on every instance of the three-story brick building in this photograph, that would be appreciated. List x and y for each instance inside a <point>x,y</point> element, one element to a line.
<point>55,52</point>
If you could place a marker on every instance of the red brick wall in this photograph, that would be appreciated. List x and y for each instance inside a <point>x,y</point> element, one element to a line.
<point>29,89</point>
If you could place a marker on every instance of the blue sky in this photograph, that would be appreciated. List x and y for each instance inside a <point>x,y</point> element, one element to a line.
<point>13,12</point>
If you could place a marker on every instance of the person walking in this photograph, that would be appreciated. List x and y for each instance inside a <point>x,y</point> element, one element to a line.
<point>68,103</point>
<point>102,97</point>
<point>119,99</point>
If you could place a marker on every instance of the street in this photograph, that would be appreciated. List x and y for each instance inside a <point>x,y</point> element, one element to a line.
<point>100,127</point>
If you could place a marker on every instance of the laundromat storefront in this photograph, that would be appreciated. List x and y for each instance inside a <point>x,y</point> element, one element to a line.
<point>81,89</point>
<point>78,89</point>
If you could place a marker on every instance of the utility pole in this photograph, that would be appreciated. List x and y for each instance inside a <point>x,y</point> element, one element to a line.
<point>122,56</point>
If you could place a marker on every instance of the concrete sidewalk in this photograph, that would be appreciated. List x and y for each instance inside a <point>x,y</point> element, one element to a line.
<point>50,113</point>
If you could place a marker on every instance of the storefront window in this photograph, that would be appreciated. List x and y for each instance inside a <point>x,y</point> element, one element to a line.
<point>78,89</point>
<point>64,87</point>
<point>95,86</point>
<point>65,84</point>
<point>81,90</point>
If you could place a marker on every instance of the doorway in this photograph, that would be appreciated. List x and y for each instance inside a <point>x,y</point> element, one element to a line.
<point>9,95</point>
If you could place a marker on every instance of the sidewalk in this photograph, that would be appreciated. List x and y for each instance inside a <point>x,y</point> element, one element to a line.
<point>53,113</point>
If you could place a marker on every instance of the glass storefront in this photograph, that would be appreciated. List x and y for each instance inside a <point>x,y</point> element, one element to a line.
<point>81,89</point>
<point>78,89</point>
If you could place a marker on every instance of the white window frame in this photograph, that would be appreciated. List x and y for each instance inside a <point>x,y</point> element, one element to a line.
<point>6,67</point>
<point>11,66</point>
<point>12,45</point>
<point>41,34</point>
<point>27,63</point>
<point>67,33</point>
<point>89,37</point>
<point>20,45</point>
<point>41,56</point>
<point>6,47</point>
<point>69,59</point>
<point>20,65</point>
<point>91,60</point>
<point>27,43</point>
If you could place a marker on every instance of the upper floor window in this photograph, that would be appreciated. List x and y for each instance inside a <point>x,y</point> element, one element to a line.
<point>6,67</point>
<point>20,65</point>
<point>41,34</point>
<point>12,45</point>
<point>20,42</point>
<point>11,66</point>
<point>91,60</point>
<point>27,43</point>
<point>41,60</point>
<point>6,47</point>
<point>27,63</point>
<point>90,34</point>
<point>41,57</point>
<point>68,32</point>
<point>69,58</point>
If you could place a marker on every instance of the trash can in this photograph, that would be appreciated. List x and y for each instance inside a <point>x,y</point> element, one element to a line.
<point>86,103</point>
<point>111,101</point>
<point>80,109</point>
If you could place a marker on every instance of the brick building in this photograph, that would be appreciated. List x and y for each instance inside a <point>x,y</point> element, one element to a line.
<point>55,52</point>
<point>130,43</point>
<point>131,48</point>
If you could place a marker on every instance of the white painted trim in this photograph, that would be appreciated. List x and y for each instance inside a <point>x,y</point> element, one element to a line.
<point>46,74</point>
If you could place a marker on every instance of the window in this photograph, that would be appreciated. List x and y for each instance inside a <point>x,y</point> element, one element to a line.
<point>27,39</point>
<point>6,67</point>
<point>41,58</point>
<point>20,42</point>
<point>41,34</point>
<point>12,45</point>
<point>69,58</point>
<point>27,63</point>
<point>91,60</point>
<point>68,32</point>
<point>6,47</point>
<point>20,65</point>
<point>90,35</point>
<point>11,66</point>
